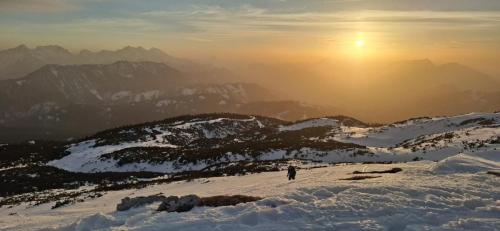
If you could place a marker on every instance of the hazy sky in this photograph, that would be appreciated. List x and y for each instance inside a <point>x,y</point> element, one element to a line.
<point>443,30</point>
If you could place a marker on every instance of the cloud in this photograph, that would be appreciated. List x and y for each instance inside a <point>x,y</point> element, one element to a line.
<point>252,18</point>
<point>42,6</point>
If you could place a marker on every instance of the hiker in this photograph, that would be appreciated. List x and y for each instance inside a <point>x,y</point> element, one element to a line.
<point>291,173</point>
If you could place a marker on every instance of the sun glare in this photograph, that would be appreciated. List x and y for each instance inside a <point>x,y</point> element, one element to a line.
<point>360,43</point>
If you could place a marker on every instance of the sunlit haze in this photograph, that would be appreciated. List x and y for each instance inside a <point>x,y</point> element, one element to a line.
<point>465,31</point>
<point>249,115</point>
<point>339,53</point>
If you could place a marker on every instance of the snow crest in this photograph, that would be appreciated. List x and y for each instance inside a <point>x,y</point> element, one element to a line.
<point>464,163</point>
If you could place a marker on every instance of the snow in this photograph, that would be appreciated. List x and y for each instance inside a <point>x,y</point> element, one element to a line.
<point>187,125</point>
<point>164,103</point>
<point>85,157</point>
<point>188,91</point>
<point>96,94</point>
<point>120,95</point>
<point>451,139</point>
<point>391,135</point>
<point>464,163</point>
<point>453,193</point>
<point>148,95</point>
<point>322,122</point>
<point>414,199</point>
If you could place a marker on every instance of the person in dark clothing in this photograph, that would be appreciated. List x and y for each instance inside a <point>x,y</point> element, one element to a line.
<point>291,173</point>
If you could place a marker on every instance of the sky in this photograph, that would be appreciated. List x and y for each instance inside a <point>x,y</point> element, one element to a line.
<point>465,31</point>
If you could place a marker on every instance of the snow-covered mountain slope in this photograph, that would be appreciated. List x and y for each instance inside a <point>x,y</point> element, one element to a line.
<point>395,134</point>
<point>469,163</point>
<point>212,154</point>
<point>415,199</point>
<point>197,142</point>
<point>87,84</point>
<point>59,99</point>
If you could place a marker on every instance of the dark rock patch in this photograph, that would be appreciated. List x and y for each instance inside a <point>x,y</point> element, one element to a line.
<point>128,203</point>
<point>186,203</point>
<point>179,204</point>
<point>493,173</point>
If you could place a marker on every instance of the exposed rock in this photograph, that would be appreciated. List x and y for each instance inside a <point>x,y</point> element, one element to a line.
<point>186,203</point>
<point>493,173</point>
<point>182,204</point>
<point>169,204</point>
<point>128,203</point>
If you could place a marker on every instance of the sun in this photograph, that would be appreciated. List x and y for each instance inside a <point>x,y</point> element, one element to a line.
<point>360,43</point>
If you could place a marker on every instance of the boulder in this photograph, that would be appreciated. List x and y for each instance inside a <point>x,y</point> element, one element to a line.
<point>186,203</point>
<point>169,204</point>
<point>182,204</point>
<point>128,203</point>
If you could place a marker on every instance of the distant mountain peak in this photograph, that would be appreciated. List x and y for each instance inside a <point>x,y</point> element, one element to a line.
<point>85,51</point>
<point>155,49</point>
<point>52,47</point>
<point>21,47</point>
<point>131,48</point>
<point>419,63</point>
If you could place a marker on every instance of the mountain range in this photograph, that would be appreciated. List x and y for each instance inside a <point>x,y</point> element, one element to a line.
<point>50,93</point>
<point>213,142</point>
<point>201,142</point>
<point>383,92</point>
<point>19,61</point>
<point>63,101</point>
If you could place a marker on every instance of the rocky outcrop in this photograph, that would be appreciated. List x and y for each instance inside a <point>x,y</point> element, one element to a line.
<point>179,204</point>
<point>183,203</point>
<point>128,203</point>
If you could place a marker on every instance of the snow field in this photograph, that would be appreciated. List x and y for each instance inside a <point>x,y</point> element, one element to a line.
<point>415,199</point>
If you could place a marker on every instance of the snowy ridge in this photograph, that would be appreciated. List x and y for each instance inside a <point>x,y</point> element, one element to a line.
<point>394,134</point>
<point>468,163</point>
<point>85,156</point>
<point>457,190</point>
<point>196,142</point>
